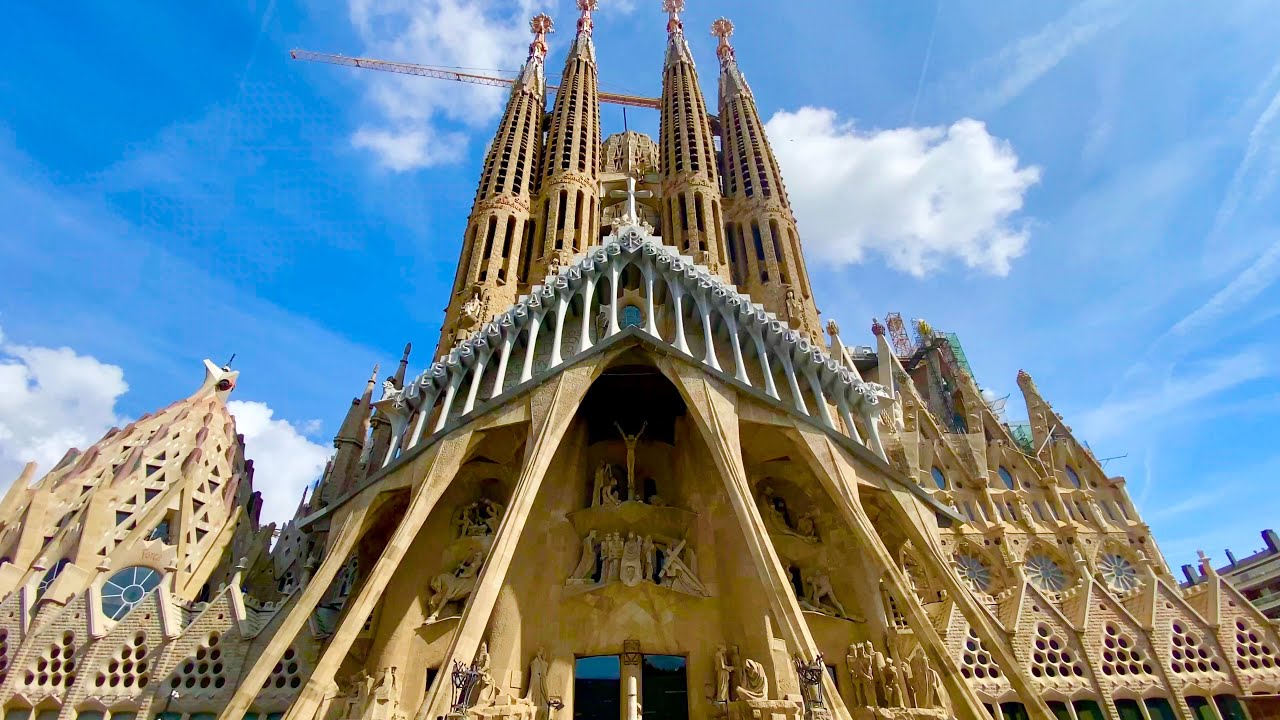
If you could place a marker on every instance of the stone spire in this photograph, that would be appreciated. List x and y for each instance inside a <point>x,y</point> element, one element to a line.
<point>380,439</point>
<point>691,217</point>
<point>349,442</point>
<point>568,206</point>
<point>500,217</point>
<point>164,487</point>
<point>764,246</point>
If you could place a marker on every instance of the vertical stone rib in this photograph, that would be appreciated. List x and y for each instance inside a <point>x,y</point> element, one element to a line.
<point>690,178</point>
<point>768,261</point>
<point>570,166</point>
<point>486,279</point>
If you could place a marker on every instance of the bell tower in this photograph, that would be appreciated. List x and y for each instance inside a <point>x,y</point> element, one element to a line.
<point>691,217</point>
<point>500,217</point>
<point>764,247</point>
<point>569,203</point>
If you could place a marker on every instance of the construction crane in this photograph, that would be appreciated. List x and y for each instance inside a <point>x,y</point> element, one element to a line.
<point>449,74</point>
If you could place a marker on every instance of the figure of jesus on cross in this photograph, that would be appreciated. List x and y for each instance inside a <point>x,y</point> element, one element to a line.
<point>631,442</point>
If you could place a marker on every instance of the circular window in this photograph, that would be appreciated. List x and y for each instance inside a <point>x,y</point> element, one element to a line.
<point>126,589</point>
<point>1043,572</point>
<point>632,316</point>
<point>940,479</point>
<point>1119,574</point>
<point>1005,477</point>
<point>1072,476</point>
<point>974,572</point>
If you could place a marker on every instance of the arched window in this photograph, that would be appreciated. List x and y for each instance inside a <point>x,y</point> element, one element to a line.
<point>939,478</point>
<point>1006,478</point>
<point>632,316</point>
<point>1072,476</point>
<point>51,575</point>
<point>126,589</point>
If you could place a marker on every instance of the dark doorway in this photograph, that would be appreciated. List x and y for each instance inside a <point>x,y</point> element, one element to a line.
<point>597,688</point>
<point>664,688</point>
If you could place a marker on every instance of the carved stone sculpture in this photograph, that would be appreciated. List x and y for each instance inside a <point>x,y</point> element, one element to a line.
<point>451,586</point>
<point>485,686</point>
<point>924,682</point>
<point>754,686</point>
<point>611,550</point>
<point>537,692</point>
<point>679,575</point>
<point>631,441</point>
<point>889,687</point>
<point>820,597</point>
<point>649,558</point>
<point>587,562</point>
<point>861,670</point>
<point>632,568</point>
<point>724,671</point>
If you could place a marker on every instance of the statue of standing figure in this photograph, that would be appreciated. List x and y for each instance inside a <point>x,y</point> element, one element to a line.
<point>587,561</point>
<point>724,671</point>
<point>862,671</point>
<point>925,682</point>
<point>537,693</point>
<point>755,685</point>
<point>631,442</point>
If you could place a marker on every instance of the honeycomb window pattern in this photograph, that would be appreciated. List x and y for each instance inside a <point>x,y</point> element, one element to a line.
<point>203,670</point>
<point>1052,658</point>
<point>1251,652</point>
<point>129,667</point>
<point>56,667</point>
<point>977,663</point>
<point>1189,653</point>
<point>1120,658</point>
<point>4,654</point>
<point>285,673</point>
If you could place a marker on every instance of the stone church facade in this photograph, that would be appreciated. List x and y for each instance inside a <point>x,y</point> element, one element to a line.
<point>640,480</point>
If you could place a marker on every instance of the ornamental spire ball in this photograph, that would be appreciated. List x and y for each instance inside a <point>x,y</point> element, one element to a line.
<point>723,29</point>
<point>587,6</point>
<point>540,26</point>
<point>673,7</point>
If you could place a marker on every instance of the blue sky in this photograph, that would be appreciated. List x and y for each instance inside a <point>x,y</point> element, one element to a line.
<point>1085,190</point>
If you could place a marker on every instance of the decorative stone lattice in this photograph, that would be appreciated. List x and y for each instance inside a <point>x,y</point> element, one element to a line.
<point>1251,652</point>
<point>203,670</point>
<point>4,654</point>
<point>1052,657</point>
<point>976,662</point>
<point>129,668</point>
<point>1189,653</point>
<point>1044,572</point>
<point>56,667</point>
<point>1119,574</point>
<point>974,572</point>
<point>285,674</point>
<point>1120,657</point>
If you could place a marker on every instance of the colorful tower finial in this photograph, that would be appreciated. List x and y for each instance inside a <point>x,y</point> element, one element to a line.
<point>723,28</point>
<point>584,20</point>
<point>541,26</point>
<point>673,8</point>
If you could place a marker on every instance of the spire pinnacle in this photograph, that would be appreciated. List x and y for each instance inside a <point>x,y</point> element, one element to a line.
<point>584,20</point>
<point>540,26</point>
<point>723,28</point>
<point>673,8</point>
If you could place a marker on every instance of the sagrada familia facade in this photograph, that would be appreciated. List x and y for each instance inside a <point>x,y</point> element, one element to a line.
<point>641,480</point>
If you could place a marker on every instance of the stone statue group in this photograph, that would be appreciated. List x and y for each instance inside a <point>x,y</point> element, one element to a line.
<point>880,681</point>
<point>636,559</point>
<point>751,682</point>
<point>478,519</point>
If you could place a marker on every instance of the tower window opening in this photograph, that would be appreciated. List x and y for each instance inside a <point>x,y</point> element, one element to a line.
<point>560,213</point>
<point>801,273</point>
<point>775,239</point>
<point>697,213</point>
<point>488,247</point>
<point>577,221</point>
<point>465,268</point>
<point>546,214</point>
<point>684,214</point>
<point>759,243</point>
<point>526,249</point>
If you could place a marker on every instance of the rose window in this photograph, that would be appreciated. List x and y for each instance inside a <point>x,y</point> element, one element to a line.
<point>974,572</point>
<point>1043,572</point>
<point>1119,574</point>
<point>126,589</point>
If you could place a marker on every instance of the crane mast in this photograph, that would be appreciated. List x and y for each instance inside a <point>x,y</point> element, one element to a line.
<point>454,75</point>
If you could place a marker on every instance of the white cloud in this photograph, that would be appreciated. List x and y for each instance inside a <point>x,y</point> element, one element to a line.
<point>921,197</point>
<point>52,399</point>
<point>284,460</point>
<point>476,35</point>
<point>401,150</point>
<point>1016,67</point>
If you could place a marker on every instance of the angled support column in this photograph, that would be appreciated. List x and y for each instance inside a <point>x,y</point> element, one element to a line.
<point>347,535</point>
<point>834,470</point>
<point>446,457</point>
<point>553,405</point>
<point>714,410</point>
